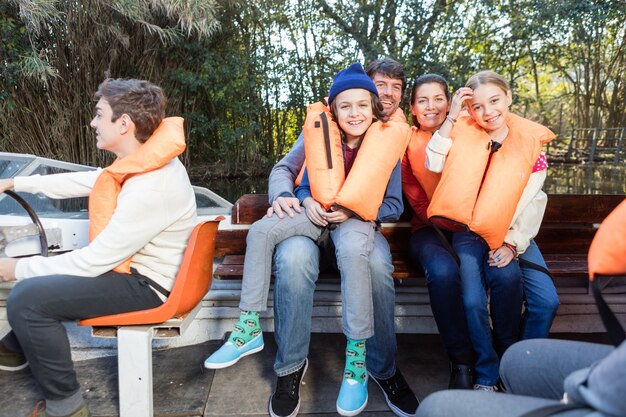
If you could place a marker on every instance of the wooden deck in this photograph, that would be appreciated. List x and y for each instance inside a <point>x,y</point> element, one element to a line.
<point>184,388</point>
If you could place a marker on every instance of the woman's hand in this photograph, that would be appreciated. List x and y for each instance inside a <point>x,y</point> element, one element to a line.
<point>459,97</point>
<point>337,215</point>
<point>7,269</point>
<point>501,257</point>
<point>314,211</point>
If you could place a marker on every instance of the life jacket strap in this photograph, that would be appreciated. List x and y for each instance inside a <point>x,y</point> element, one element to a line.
<point>611,323</point>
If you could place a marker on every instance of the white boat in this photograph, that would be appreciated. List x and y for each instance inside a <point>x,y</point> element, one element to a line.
<point>66,222</point>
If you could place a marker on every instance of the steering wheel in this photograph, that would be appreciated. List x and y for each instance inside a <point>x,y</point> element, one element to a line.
<point>11,233</point>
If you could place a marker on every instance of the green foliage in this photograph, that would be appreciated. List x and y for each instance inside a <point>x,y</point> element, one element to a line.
<point>242,73</point>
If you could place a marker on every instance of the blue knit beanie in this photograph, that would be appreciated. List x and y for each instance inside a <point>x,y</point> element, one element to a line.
<point>352,77</point>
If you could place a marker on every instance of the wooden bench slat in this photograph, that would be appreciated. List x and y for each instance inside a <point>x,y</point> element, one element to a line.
<point>562,208</point>
<point>574,266</point>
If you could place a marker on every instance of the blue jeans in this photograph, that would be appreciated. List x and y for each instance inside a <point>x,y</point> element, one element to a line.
<point>296,268</point>
<point>443,280</point>
<point>353,240</point>
<point>506,297</point>
<point>542,300</point>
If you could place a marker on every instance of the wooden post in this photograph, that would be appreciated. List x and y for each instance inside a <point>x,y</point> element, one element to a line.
<point>620,144</point>
<point>593,145</point>
<point>570,148</point>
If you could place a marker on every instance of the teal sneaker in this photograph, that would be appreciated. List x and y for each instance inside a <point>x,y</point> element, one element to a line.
<point>230,353</point>
<point>11,361</point>
<point>352,397</point>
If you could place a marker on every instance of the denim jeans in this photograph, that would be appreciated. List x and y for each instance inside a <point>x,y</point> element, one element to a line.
<point>506,296</point>
<point>296,268</point>
<point>263,237</point>
<point>353,241</point>
<point>542,300</point>
<point>443,280</point>
<point>36,308</point>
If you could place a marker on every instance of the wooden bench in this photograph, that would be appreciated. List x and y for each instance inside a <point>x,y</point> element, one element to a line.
<point>569,224</point>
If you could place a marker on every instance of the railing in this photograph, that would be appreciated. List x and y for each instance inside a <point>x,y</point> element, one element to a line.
<point>594,145</point>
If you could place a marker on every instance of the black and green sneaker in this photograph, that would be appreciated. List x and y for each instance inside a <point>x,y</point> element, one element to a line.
<point>11,361</point>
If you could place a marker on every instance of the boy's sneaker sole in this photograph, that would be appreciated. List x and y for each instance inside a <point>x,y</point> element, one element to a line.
<point>342,412</point>
<point>354,389</point>
<point>13,368</point>
<point>11,361</point>
<point>221,365</point>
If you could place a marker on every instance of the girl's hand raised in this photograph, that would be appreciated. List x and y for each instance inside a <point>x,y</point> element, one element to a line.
<point>314,211</point>
<point>459,97</point>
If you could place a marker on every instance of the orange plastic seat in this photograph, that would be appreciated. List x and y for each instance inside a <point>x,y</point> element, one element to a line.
<point>192,283</point>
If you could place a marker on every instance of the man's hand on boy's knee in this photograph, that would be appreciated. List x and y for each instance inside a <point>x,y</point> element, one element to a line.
<point>282,205</point>
<point>7,269</point>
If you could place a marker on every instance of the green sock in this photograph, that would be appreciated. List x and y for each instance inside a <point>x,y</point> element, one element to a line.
<point>355,361</point>
<point>246,329</point>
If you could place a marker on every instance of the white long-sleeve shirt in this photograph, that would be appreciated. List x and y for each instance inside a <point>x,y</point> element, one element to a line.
<point>530,208</point>
<point>152,222</point>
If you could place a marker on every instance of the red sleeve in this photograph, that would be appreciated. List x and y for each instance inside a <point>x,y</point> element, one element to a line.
<point>414,192</point>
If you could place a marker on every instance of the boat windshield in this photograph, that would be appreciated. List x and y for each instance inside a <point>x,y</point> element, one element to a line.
<point>12,165</point>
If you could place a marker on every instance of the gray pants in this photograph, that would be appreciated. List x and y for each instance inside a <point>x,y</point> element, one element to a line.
<point>36,308</point>
<point>533,371</point>
<point>353,240</point>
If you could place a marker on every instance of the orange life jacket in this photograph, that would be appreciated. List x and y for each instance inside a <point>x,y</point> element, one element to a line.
<point>485,202</point>
<point>607,253</point>
<point>416,152</point>
<point>607,256</point>
<point>166,143</point>
<point>362,192</point>
<point>397,116</point>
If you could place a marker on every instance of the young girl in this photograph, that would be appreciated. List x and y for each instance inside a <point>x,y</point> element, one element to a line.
<point>490,196</point>
<point>350,158</point>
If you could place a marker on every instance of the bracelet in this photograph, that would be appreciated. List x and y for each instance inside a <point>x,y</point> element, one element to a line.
<point>512,247</point>
<point>452,119</point>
